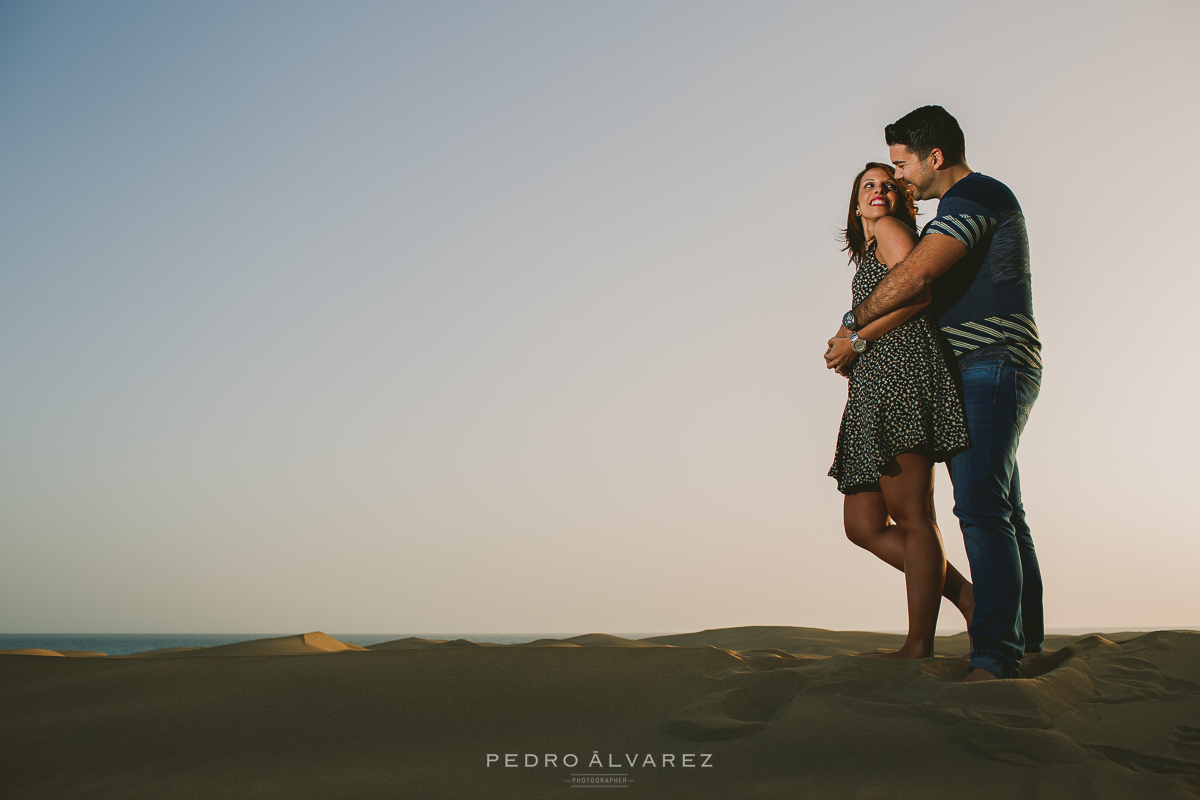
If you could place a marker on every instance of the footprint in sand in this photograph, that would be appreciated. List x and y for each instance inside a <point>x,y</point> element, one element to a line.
<point>1186,739</point>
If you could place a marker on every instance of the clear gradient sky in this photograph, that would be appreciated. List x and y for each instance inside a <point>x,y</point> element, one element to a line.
<point>508,316</point>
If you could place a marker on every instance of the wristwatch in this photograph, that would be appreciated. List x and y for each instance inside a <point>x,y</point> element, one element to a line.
<point>849,322</point>
<point>858,343</point>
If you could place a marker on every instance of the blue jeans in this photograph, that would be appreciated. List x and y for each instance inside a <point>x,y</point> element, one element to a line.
<point>1008,620</point>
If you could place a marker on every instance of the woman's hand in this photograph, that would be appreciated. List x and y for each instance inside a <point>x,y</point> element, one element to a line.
<point>840,355</point>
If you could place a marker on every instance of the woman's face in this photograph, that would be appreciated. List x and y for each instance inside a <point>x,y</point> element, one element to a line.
<point>878,194</point>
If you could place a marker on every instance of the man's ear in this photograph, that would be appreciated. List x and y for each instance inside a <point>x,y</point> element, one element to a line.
<point>939,158</point>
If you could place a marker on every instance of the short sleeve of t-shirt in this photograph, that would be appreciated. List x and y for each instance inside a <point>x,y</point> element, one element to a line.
<point>986,298</point>
<point>971,209</point>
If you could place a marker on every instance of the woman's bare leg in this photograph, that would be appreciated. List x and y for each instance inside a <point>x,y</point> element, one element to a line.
<point>866,519</point>
<point>905,485</point>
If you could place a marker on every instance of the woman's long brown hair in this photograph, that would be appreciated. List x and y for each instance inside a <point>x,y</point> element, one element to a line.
<point>853,236</point>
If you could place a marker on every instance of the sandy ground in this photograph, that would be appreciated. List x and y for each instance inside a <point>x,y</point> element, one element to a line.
<point>759,712</point>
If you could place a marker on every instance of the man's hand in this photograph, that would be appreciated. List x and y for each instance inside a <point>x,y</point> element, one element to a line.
<point>840,355</point>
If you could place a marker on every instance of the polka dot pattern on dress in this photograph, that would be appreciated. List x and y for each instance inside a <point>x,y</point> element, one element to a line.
<point>902,397</point>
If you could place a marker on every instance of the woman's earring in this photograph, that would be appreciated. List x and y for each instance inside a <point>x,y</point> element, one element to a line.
<point>857,213</point>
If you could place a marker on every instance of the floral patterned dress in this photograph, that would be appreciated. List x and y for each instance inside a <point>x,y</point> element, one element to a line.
<point>902,397</point>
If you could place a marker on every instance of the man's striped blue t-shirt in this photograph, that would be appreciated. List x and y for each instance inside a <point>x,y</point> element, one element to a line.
<point>986,299</point>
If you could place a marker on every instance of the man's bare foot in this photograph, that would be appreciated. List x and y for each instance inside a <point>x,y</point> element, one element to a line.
<point>980,674</point>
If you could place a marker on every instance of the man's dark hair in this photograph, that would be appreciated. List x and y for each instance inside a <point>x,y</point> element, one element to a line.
<point>926,128</point>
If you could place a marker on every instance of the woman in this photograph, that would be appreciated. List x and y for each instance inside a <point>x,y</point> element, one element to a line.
<point>903,415</point>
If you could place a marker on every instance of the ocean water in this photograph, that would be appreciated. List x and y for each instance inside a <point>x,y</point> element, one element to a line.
<point>120,644</point>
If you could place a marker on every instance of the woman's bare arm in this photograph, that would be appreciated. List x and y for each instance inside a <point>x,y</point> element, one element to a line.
<point>894,241</point>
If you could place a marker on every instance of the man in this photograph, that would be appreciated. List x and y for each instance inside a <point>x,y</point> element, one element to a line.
<point>975,257</point>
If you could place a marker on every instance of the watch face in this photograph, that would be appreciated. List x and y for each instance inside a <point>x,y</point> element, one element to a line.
<point>848,320</point>
<point>859,345</point>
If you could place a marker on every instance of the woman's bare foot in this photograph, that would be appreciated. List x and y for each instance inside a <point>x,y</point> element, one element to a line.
<point>980,674</point>
<point>905,653</point>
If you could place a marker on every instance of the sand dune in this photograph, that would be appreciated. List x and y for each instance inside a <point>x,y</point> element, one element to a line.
<point>797,641</point>
<point>407,643</point>
<point>298,645</point>
<point>417,643</point>
<point>608,640</point>
<point>806,641</point>
<point>586,640</point>
<point>1102,717</point>
<point>162,651</point>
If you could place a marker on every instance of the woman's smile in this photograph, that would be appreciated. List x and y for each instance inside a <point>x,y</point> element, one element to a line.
<point>878,194</point>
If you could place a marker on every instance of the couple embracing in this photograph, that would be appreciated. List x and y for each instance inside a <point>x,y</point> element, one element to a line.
<point>944,364</point>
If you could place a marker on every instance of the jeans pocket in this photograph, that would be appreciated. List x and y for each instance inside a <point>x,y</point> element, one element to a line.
<point>1028,384</point>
